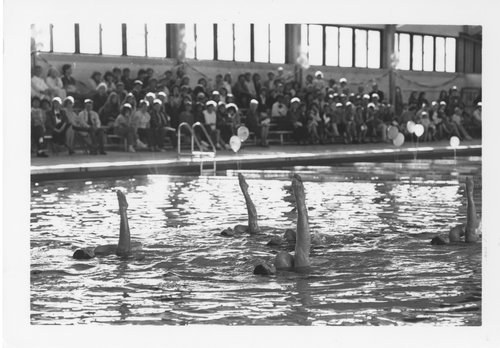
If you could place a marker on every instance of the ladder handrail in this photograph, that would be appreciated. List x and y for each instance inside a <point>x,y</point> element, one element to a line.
<point>193,138</point>
<point>198,124</point>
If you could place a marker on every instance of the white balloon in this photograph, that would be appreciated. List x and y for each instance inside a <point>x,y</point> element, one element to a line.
<point>243,133</point>
<point>419,130</point>
<point>410,126</point>
<point>392,132</point>
<point>398,140</point>
<point>454,142</point>
<point>235,143</point>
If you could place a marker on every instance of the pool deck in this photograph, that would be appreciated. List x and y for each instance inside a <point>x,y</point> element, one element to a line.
<point>120,163</point>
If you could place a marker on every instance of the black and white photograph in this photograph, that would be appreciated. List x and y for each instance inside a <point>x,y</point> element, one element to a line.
<point>255,175</point>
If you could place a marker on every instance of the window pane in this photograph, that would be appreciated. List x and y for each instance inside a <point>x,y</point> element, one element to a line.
<point>205,41</point>
<point>315,45</point>
<point>41,34</point>
<point>404,52</point>
<point>261,42</point>
<point>225,41</point>
<point>345,47</point>
<point>332,46</point>
<point>64,37</point>
<point>242,42</point>
<point>417,52</point>
<point>89,38</point>
<point>360,48</point>
<point>112,39</point>
<point>157,43</point>
<point>440,54</point>
<point>428,53</point>
<point>136,39</point>
<point>374,49</point>
<point>277,43</point>
<point>450,54</point>
<point>187,36</point>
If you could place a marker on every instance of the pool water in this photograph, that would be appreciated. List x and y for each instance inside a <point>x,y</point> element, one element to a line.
<point>377,267</point>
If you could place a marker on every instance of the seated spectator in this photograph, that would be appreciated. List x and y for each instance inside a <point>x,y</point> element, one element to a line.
<point>313,124</point>
<point>69,83</point>
<point>338,120</point>
<point>210,123</point>
<point>326,131</point>
<point>130,99</point>
<point>241,92</point>
<point>228,83</point>
<point>88,122</point>
<point>59,127</point>
<point>361,127</point>
<point>279,112</point>
<point>256,83</point>
<point>94,81</point>
<point>318,83</point>
<point>456,119</point>
<point>101,96</point>
<point>224,125</point>
<point>149,75</point>
<point>37,127</point>
<point>120,90</point>
<point>234,117</point>
<point>160,127</point>
<point>124,126</point>
<point>39,87</point>
<point>55,83</point>
<point>215,96</point>
<point>137,90</point>
<point>413,100</point>
<point>429,127</point>
<point>110,110</point>
<point>398,102</point>
<point>109,81</point>
<point>219,82</point>
<point>296,121</point>
<point>344,89</point>
<point>350,126</point>
<point>186,115</point>
<point>377,130</point>
<point>269,83</point>
<point>127,80</point>
<point>258,122</point>
<point>117,75</point>
<point>476,114</point>
<point>141,120</point>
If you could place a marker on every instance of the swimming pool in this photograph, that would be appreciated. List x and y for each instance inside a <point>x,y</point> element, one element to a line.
<point>378,267</point>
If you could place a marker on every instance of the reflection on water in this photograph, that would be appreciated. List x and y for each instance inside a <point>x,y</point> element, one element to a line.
<point>378,267</point>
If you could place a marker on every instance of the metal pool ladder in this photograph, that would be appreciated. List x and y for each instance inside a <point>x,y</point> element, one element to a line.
<point>200,155</point>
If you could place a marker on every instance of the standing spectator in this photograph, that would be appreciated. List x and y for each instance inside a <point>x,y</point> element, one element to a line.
<point>257,83</point>
<point>413,100</point>
<point>141,120</point>
<point>398,102</point>
<point>59,126</point>
<point>228,83</point>
<point>69,83</point>
<point>37,127</point>
<point>127,80</point>
<point>422,101</point>
<point>88,122</point>
<point>241,92</point>
<point>94,81</point>
<point>377,91</point>
<point>124,126</point>
<point>55,83</point>
<point>39,87</point>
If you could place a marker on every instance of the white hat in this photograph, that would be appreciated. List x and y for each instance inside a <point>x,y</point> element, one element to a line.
<point>232,105</point>
<point>102,84</point>
<point>318,73</point>
<point>338,105</point>
<point>88,101</point>
<point>375,95</point>
<point>280,68</point>
<point>150,95</point>
<point>138,82</point>
<point>348,104</point>
<point>343,80</point>
<point>157,101</point>
<point>330,96</point>
<point>163,94</point>
<point>130,94</point>
<point>229,95</point>
<point>442,102</point>
<point>434,103</point>
<point>479,104</point>
<point>70,98</point>
<point>342,95</point>
<point>454,87</point>
<point>221,103</point>
<point>127,105</point>
<point>254,101</point>
<point>371,105</point>
<point>215,92</point>
<point>335,95</point>
<point>57,99</point>
<point>424,113</point>
<point>211,102</point>
<point>295,100</point>
<point>366,96</point>
<point>144,101</point>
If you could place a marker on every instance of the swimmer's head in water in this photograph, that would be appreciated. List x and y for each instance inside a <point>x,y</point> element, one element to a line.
<point>122,200</point>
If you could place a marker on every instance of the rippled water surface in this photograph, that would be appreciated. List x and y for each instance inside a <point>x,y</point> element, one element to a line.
<point>377,268</point>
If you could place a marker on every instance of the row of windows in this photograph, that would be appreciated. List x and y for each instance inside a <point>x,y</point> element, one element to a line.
<point>323,44</point>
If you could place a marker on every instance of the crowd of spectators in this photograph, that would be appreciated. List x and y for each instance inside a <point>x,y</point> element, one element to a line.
<point>146,110</point>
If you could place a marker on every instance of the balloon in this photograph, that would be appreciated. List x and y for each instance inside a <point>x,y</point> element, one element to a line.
<point>392,132</point>
<point>410,126</point>
<point>399,140</point>
<point>454,142</point>
<point>235,143</point>
<point>243,133</point>
<point>303,61</point>
<point>418,129</point>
